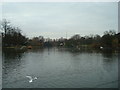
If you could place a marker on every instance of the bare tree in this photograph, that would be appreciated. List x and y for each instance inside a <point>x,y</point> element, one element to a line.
<point>11,35</point>
<point>5,26</point>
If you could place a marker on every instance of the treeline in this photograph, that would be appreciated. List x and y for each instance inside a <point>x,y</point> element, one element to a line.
<point>12,36</point>
<point>110,39</point>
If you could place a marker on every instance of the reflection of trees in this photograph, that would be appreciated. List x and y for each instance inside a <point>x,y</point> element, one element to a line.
<point>82,50</point>
<point>110,65</point>
<point>107,53</point>
<point>109,61</point>
<point>11,60</point>
<point>9,54</point>
<point>36,50</point>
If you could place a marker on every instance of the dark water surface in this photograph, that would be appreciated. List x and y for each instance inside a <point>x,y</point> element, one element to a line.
<point>60,68</point>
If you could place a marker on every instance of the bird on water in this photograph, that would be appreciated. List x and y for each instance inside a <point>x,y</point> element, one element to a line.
<point>31,79</point>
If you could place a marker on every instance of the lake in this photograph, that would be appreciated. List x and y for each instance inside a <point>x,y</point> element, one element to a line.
<point>60,68</point>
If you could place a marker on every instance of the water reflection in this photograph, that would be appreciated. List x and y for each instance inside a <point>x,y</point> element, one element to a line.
<point>0,67</point>
<point>12,60</point>
<point>58,67</point>
<point>109,59</point>
<point>12,54</point>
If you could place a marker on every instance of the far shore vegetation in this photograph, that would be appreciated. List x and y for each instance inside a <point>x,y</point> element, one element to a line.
<point>12,37</point>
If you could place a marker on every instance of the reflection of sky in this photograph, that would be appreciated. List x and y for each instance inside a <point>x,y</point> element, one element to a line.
<point>55,19</point>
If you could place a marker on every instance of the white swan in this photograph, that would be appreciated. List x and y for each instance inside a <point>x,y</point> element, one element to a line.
<point>31,79</point>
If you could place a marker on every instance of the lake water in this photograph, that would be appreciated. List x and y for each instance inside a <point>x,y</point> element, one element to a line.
<point>60,68</point>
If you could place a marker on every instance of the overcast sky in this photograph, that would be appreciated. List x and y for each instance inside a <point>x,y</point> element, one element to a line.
<point>55,19</point>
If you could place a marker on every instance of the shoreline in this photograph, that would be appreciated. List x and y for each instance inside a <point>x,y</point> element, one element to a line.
<point>73,49</point>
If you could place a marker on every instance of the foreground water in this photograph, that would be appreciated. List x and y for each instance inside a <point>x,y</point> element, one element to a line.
<point>60,68</point>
